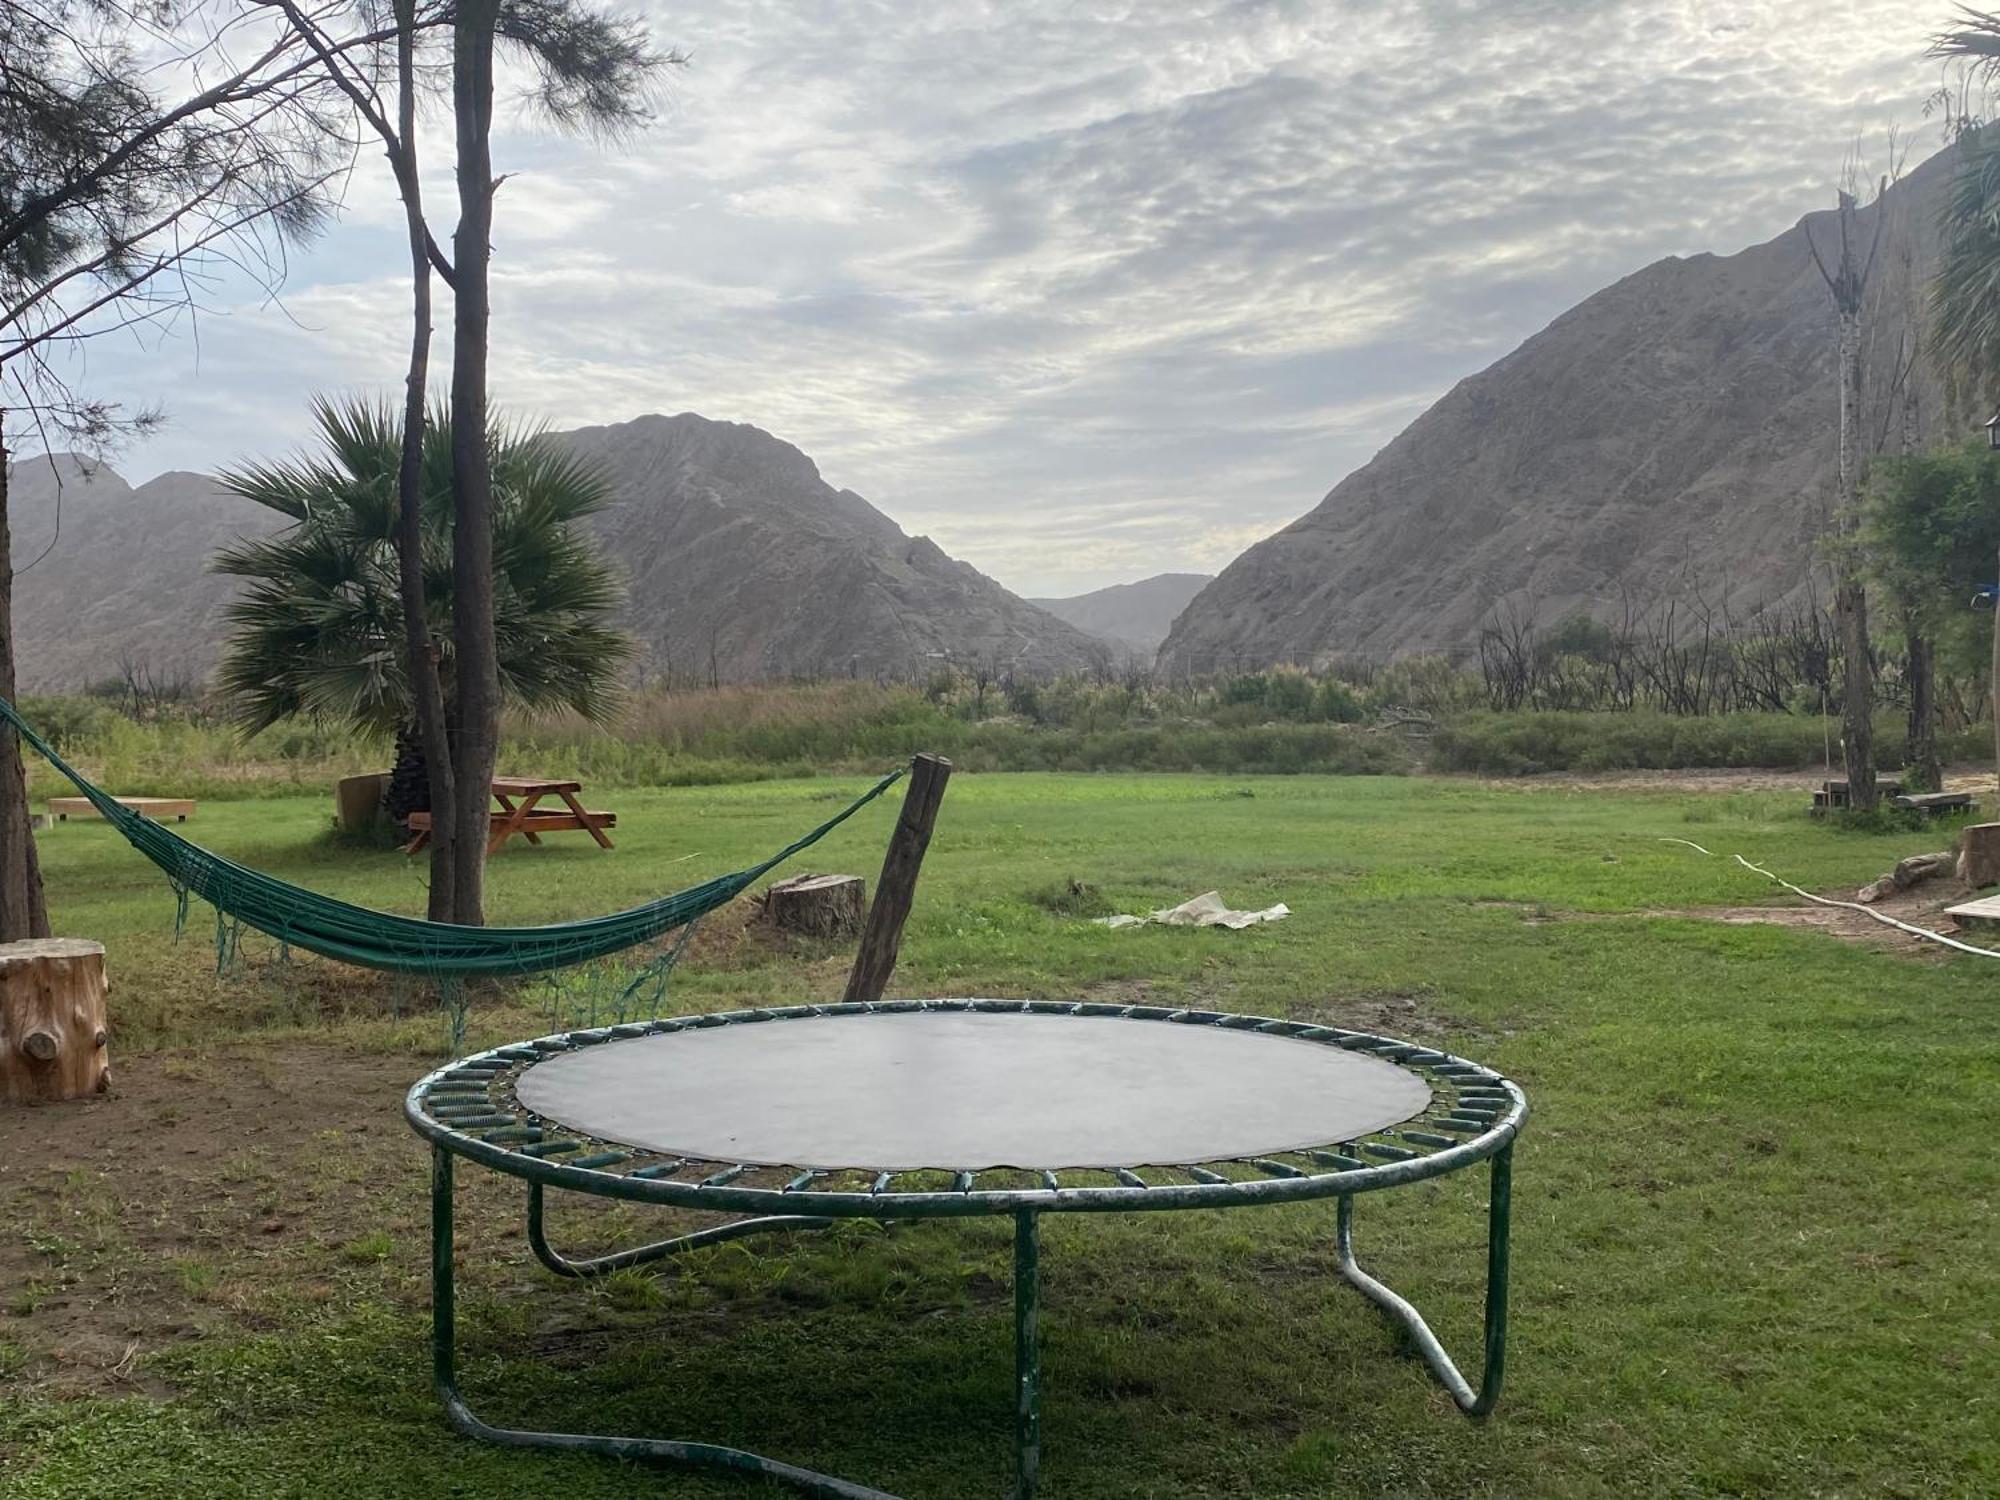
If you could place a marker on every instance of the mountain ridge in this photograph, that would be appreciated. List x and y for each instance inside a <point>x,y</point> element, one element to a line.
<point>1671,435</point>
<point>741,563</point>
<point>1132,617</point>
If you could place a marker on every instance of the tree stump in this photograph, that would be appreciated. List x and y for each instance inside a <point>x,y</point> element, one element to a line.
<point>1979,854</point>
<point>53,1037</point>
<point>357,802</point>
<point>822,906</point>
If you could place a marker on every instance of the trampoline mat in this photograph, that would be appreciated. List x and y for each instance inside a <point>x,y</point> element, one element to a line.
<point>967,1091</point>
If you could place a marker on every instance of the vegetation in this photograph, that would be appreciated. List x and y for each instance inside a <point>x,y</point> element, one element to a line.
<point>1746,1113</point>
<point>318,632</point>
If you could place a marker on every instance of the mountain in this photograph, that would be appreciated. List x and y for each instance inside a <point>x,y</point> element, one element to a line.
<point>1671,436</point>
<point>111,579</point>
<point>738,554</point>
<point>740,562</point>
<point>1134,617</point>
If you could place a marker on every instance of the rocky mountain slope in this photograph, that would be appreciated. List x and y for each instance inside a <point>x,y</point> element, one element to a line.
<point>741,563</point>
<point>1673,434</point>
<point>1133,617</point>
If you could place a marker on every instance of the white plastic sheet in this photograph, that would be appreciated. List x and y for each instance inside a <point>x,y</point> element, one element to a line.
<point>1206,910</point>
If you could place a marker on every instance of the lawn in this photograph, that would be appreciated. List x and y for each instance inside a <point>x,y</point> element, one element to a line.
<point>1754,1207</point>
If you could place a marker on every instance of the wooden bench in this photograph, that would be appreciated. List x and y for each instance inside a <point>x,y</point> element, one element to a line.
<point>180,809</point>
<point>1834,793</point>
<point>1934,804</point>
<point>531,826</point>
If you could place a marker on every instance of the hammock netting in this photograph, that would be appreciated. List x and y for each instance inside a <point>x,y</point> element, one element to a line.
<point>299,918</point>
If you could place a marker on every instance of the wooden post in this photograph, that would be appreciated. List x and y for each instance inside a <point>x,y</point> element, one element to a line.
<point>52,1020</point>
<point>897,888</point>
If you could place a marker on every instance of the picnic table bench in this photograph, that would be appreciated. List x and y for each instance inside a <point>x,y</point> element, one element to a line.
<point>180,809</point>
<point>518,796</point>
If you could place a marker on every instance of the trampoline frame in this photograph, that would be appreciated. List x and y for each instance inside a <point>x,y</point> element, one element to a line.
<point>467,1109</point>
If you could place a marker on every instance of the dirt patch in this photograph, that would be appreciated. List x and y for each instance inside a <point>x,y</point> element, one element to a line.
<point>1922,906</point>
<point>1972,779</point>
<point>206,1193</point>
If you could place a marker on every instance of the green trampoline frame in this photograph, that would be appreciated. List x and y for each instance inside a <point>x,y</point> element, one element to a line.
<point>468,1109</point>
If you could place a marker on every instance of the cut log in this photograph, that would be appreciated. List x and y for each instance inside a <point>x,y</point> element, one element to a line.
<point>1979,854</point>
<point>357,803</point>
<point>897,888</point>
<point>53,1027</point>
<point>821,906</point>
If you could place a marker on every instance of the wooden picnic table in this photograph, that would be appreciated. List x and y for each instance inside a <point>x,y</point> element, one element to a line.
<point>518,813</point>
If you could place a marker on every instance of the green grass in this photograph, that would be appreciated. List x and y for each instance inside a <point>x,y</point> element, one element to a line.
<point>1754,1209</point>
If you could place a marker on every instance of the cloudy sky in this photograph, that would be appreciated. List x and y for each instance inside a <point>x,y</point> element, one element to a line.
<point>1086,291</point>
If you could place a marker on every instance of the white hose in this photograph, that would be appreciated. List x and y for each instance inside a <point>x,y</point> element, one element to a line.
<point>1867,911</point>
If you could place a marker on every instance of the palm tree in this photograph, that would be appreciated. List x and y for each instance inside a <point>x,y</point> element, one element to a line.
<point>318,632</point>
<point>1965,296</point>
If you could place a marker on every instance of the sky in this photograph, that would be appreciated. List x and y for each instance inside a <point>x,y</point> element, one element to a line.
<point>1083,291</point>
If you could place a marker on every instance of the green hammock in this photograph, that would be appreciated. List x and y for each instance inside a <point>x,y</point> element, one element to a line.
<point>408,945</point>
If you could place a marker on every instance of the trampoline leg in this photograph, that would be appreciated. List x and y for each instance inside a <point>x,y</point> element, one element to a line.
<point>1498,1212</point>
<point>1027,1354</point>
<point>444,1372</point>
<point>639,1255</point>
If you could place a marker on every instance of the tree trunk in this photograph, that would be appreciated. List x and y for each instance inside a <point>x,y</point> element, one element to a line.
<point>23,913</point>
<point>411,787</point>
<point>1850,600</point>
<point>53,1035</point>
<point>1922,771</point>
<point>432,739</point>
<point>476,676</point>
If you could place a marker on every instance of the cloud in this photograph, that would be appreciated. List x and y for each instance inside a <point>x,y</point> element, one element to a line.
<point>1088,294</point>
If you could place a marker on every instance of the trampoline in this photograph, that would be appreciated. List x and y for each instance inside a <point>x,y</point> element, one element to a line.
<point>798,1117</point>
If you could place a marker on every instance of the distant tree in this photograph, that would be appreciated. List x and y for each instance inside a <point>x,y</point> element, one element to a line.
<point>319,630</point>
<point>1847,284</point>
<point>1933,531</point>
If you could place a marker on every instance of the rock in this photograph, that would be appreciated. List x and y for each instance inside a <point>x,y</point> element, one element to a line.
<point>1875,890</point>
<point>1921,867</point>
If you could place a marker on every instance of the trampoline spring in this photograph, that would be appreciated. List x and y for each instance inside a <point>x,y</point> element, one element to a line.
<point>725,1176</point>
<point>1425,1138</point>
<point>552,1148</point>
<point>1387,1152</point>
<point>1203,1175</point>
<point>601,1159</point>
<point>803,1180</point>
<point>962,1183</point>
<point>881,1183</point>
<point>511,1133</point>
<point>471,1120</point>
<point>1470,1124</point>
<point>1337,1161</point>
<point>657,1169</point>
<point>1272,1168</point>
<point>1050,1181</point>
<point>1128,1177</point>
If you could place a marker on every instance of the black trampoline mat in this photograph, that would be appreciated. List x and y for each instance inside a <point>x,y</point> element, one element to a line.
<point>968,1091</point>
